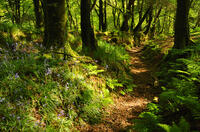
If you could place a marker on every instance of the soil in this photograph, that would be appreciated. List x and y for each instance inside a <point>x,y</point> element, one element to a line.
<point>126,108</point>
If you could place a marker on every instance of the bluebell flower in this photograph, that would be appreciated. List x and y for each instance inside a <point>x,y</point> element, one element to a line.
<point>62,113</point>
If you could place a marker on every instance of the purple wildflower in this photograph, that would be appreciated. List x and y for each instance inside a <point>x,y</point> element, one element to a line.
<point>16,75</point>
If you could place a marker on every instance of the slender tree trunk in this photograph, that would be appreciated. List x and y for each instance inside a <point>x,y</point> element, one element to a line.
<point>150,18</point>
<point>87,32</point>
<point>38,13</point>
<point>114,17</point>
<point>118,19</point>
<point>17,12</point>
<point>123,7</point>
<point>138,27</point>
<point>132,17</point>
<point>182,35</point>
<point>70,17</point>
<point>104,26</point>
<point>140,8</point>
<point>100,15</point>
<point>54,15</point>
<point>152,30</point>
<point>127,16</point>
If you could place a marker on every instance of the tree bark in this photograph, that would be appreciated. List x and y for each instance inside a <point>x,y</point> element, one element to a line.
<point>54,16</point>
<point>100,15</point>
<point>104,26</point>
<point>87,32</point>
<point>18,13</point>
<point>182,35</point>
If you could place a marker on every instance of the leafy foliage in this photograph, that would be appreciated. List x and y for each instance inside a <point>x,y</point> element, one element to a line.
<point>179,100</point>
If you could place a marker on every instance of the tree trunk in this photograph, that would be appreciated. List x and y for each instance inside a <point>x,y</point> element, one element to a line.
<point>87,32</point>
<point>100,15</point>
<point>182,35</point>
<point>132,18</point>
<point>127,16</point>
<point>54,16</point>
<point>150,18</point>
<point>104,27</point>
<point>152,30</point>
<point>138,27</point>
<point>38,13</point>
<point>17,10</point>
<point>70,20</point>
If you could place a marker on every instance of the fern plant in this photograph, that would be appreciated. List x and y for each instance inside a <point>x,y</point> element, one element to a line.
<point>179,100</point>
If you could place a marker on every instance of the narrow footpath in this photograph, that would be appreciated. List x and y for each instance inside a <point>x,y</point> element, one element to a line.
<point>126,108</point>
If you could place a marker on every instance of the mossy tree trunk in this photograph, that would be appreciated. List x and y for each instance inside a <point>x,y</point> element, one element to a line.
<point>182,35</point>
<point>54,21</point>
<point>87,33</point>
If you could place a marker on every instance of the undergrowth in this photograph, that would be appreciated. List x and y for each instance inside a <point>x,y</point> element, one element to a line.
<point>116,60</point>
<point>178,107</point>
<point>40,92</point>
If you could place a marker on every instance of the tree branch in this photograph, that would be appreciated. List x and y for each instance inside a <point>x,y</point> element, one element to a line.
<point>93,5</point>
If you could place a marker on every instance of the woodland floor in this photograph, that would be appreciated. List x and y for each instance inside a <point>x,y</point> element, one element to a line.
<point>126,108</point>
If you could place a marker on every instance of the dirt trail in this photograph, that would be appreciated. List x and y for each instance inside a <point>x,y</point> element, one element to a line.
<point>128,107</point>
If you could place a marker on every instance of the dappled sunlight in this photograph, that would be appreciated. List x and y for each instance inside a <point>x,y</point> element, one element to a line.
<point>99,65</point>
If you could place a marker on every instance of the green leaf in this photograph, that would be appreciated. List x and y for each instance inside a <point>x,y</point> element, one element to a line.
<point>166,127</point>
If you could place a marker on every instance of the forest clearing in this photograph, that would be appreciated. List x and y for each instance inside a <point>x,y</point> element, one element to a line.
<point>99,66</point>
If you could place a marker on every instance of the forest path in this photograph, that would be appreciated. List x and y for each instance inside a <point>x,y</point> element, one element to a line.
<point>126,108</point>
